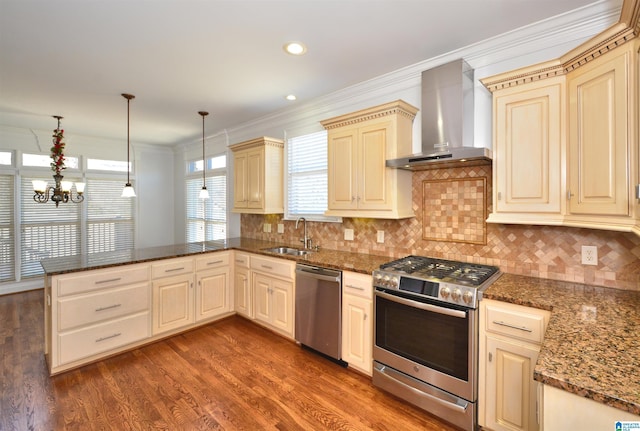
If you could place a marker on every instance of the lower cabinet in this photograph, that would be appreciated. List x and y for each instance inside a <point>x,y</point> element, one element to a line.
<point>242,285</point>
<point>357,321</point>
<point>213,291</point>
<point>172,303</point>
<point>272,282</point>
<point>510,339</point>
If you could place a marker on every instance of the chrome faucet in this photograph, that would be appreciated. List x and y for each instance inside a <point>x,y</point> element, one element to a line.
<point>305,239</point>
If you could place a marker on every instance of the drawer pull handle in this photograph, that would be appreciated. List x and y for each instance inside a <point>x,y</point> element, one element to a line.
<point>214,263</point>
<point>509,325</point>
<point>108,307</point>
<point>108,281</point>
<point>266,266</point>
<point>240,261</point>
<point>174,269</point>
<point>108,337</point>
<point>351,286</point>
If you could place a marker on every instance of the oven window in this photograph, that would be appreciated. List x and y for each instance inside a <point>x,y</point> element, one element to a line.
<point>429,338</point>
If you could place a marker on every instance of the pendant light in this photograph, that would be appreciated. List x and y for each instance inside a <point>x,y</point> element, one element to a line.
<point>204,193</point>
<point>127,191</point>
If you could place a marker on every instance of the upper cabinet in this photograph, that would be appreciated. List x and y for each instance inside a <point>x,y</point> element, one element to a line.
<point>359,144</point>
<point>566,148</point>
<point>258,176</point>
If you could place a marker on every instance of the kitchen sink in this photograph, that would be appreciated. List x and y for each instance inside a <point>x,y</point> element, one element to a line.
<point>287,250</point>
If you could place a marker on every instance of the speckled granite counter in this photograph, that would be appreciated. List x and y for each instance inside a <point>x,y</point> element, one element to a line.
<point>592,344</point>
<point>356,262</point>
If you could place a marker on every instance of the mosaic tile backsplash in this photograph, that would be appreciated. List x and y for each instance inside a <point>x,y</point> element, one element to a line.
<point>550,252</point>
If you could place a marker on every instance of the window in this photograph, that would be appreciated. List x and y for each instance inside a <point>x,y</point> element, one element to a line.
<point>46,231</point>
<point>107,165</point>
<point>109,217</point>
<point>41,160</point>
<point>6,158</point>
<point>307,177</point>
<point>7,253</point>
<point>207,219</point>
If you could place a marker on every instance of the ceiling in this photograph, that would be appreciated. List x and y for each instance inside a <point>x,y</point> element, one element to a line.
<point>75,57</point>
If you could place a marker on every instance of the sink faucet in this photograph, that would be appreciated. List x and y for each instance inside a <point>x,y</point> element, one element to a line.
<point>305,239</point>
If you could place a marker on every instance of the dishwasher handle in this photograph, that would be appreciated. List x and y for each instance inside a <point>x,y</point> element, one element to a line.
<point>318,273</point>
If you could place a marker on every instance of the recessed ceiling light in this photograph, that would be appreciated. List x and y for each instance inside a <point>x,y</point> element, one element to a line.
<point>295,48</point>
<point>291,97</point>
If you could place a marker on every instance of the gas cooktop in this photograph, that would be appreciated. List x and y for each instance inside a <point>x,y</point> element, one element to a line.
<point>427,268</point>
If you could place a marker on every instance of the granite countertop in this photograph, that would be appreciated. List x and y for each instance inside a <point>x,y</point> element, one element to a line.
<point>592,344</point>
<point>356,262</point>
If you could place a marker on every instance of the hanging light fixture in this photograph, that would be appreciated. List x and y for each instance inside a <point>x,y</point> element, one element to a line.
<point>62,191</point>
<point>204,193</point>
<point>127,191</point>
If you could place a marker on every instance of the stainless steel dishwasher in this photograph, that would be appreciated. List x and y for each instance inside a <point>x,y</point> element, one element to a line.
<point>318,309</point>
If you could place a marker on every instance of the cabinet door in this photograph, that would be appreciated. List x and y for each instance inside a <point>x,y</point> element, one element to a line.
<point>240,186</point>
<point>172,303</point>
<point>282,305</point>
<point>262,297</point>
<point>255,178</point>
<point>598,136</point>
<point>242,291</point>
<point>529,130</point>
<point>342,180</point>
<point>511,390</point>
<point>212,297</point>
<point>373,174</point>
<point>357,332</point>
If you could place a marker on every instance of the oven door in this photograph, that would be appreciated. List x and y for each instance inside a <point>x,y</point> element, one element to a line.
<point>427,340</point>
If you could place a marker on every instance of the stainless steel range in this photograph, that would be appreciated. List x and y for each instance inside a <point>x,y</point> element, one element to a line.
<point>426,334</point>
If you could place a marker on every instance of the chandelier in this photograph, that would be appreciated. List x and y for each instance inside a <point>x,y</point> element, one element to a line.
<point>62,190</point>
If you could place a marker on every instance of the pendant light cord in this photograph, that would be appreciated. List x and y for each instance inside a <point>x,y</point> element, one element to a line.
<point>204,163</point>
<point>128,97</point>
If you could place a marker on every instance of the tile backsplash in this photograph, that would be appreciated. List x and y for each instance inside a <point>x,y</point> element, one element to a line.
<point>540,251</point>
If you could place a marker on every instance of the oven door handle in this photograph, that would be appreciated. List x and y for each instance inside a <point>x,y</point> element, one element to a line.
<point>422,306</point>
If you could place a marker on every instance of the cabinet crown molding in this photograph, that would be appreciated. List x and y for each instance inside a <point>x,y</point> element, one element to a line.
<point>398,107</point>
<point>627,28</point>
<point>262,141</point>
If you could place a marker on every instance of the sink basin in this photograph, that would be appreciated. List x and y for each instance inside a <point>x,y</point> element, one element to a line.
<point>287,250</point>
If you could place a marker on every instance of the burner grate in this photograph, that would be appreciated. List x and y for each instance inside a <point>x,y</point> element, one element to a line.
<point>440,269</point>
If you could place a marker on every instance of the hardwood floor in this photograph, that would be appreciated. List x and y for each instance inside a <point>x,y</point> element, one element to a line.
<point>229,375</point>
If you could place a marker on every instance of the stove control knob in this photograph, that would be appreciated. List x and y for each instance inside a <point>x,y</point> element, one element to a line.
<point>456,294</point>
<point>394,281</point>
<point>467,297</point>
<point>445,292</point>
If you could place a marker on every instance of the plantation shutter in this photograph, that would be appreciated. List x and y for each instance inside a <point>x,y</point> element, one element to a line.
<point>206,220</point>
<point>110,224</point>
<point>7,248</point>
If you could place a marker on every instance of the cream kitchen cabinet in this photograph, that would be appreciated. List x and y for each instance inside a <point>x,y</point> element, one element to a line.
<point>213,288</point>
<point>529,148</point>
<point>581,109</point>
<point>89,315</point>
<point>510,340</point>
<point>258,186</point>
<point>242,284</point>
<point>600,106</point>
<point>173,294</point>
<point>272,282</point>
<point>360,184</point>
<point>357,321</point>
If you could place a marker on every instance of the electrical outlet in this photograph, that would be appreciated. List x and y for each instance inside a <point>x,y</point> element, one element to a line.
<point>267,227</point>
<point>348,234</point>
<point>589,255</point>
<point>280,228</point>
<point>381,236</point>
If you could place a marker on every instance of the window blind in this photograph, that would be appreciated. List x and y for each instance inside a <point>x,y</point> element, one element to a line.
<point>307,176</point>
<point>46,231</point>
<point>110,224</point>
<point>7,251</point>
<point>206,219</point>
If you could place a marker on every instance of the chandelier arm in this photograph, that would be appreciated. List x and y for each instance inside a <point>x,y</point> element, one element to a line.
<point>77,199</point>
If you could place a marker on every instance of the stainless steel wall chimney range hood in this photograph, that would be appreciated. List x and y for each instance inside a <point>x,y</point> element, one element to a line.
<point>447,121</point>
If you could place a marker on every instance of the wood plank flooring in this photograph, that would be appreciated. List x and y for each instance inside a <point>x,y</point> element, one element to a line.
<point>229,375</point>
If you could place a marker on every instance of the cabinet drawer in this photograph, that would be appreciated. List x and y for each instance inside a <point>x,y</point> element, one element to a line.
<point>212,260</point>
<point>82,343</point>
<point>515,321</point>
<point>101,279</point>
<point>277,267</point>
<point>357,284</point>
<point>241,260</point>
<point>172,267</point>
<point>95,307</point>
